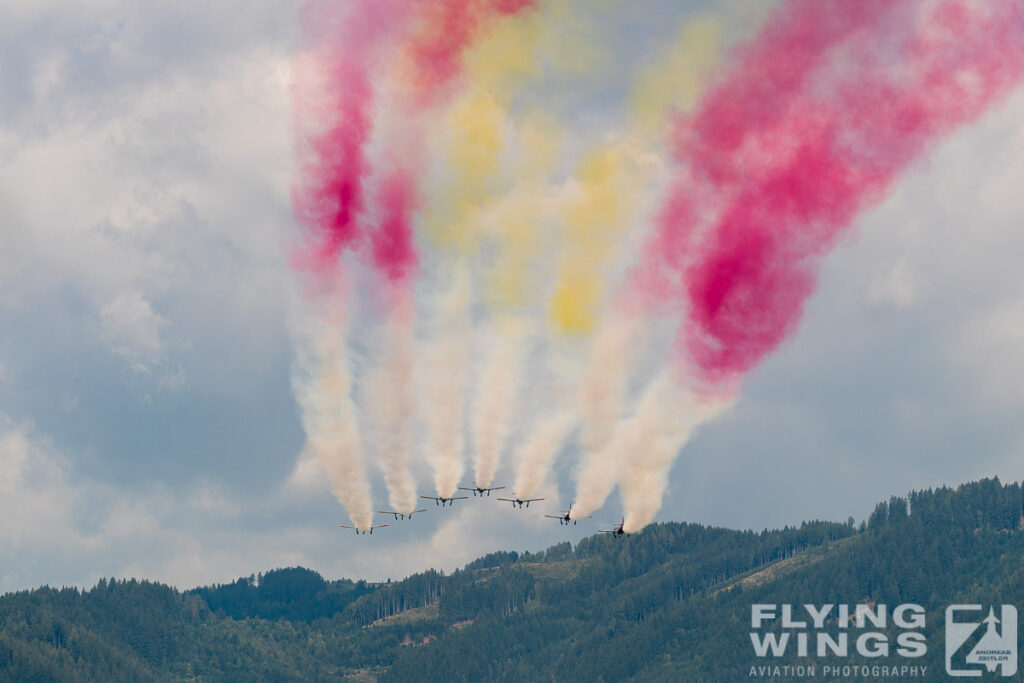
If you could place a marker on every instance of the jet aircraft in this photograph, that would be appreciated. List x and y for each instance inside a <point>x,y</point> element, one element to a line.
<point>442,501</point>
<point>362,532</point>
<point>617,531</point>
<point>480,490</point>
<point>520,503</point>
<point>564,518</point>
<point>400,515</point>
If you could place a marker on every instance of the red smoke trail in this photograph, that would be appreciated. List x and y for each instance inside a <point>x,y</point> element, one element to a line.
<point>394,253</point>
<point>812,124</point>
<point>329,203</point>
<point>328,199</point>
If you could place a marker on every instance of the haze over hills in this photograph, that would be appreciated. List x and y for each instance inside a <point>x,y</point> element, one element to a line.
<point>670,603</point>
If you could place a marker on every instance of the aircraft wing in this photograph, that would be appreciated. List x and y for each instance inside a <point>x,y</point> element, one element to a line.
<point>507,500</point>
<point>555,516</point>
<point>430,497</point>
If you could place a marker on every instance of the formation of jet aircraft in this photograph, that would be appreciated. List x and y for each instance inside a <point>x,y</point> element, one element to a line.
<point>565,518</point>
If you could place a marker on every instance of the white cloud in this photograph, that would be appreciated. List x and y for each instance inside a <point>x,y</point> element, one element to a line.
<point>59,527</point>
<point>991,344</point>
<point>146,157</point>
<point>36,498</point>
<point>895,284</point>
<point>131,328</point>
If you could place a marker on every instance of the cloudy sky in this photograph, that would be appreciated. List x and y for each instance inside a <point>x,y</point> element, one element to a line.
<point>147,422</point>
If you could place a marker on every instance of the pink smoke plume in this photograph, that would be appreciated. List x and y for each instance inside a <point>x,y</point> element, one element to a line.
<point>394,252</point>
<point>328,199</point>
<point>811,124</point>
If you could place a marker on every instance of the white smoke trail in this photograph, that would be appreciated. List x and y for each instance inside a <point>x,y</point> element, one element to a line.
<point>646,444</point>
<point>323,388</point>
<point>601,406</point>
<point>443,387</point>
<point>389,401</point>
<point>538,451</point>
<point>496,398</point>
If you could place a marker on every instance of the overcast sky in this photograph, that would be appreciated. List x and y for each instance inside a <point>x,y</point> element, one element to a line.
<point>147,422</point>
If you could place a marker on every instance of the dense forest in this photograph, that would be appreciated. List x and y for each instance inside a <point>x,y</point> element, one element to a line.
<point>671,603</point>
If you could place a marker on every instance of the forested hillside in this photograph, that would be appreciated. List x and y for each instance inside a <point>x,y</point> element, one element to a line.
<point>670,603</point>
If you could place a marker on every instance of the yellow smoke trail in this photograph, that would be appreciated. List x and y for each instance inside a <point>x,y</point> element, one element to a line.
<point>597,216</point>
<point>675,80</point>
<point>611,439</point>
<point>473,211</point>
<point>489,151</point>
<point>478,125</point>
<point>594,213</point>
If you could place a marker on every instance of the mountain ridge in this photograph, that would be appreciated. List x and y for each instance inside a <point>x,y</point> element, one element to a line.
<point>668,603</point>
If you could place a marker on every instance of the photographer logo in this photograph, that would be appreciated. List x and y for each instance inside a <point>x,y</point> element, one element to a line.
<point>976,645</point>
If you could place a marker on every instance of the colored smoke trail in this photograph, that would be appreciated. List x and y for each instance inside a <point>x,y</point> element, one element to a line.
<point>496,397</point>
<point>595,227</point>
<point>323,389</point>
<point>670,84</point>
<point>394,253</point>
<point>601,406</point>
<point>674,83</point>
<point>391,406</point>
<point>809,127</point>
<point>648,442</point>
<point>444,378</point>
<point>439,143</point>
<point>544,442</point>
<point>344,46</point>
<point>333,101</point>
<point>434,57</point>
<point>479,213</point>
